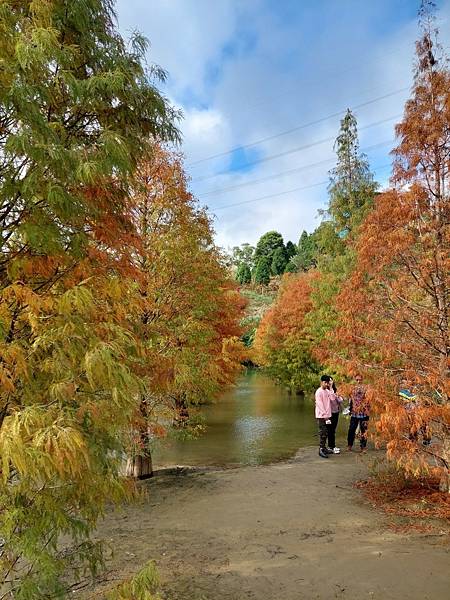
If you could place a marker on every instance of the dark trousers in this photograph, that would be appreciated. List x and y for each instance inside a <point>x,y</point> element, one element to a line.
<point>322,433</point>
<point>363,423</point>
<point>331,430</point>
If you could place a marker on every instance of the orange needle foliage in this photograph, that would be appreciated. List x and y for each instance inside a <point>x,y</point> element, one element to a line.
<point>143,324</point>
<point>104,318</point>
<point>190,309</point>
<point>281,343</point>
<point>395,306</point>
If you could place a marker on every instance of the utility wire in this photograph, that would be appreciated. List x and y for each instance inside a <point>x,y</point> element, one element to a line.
<point>298,128</point>
<point>356,65</point>
<point>288,92</point>
<point>287,152</point>
<point>297,189</point>
<point>289,172</point>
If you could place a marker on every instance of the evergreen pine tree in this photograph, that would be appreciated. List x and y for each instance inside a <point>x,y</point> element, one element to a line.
<point>291,249</point>
<point>267,245</point>
<point>262,271</point>
<point>352,187</point>
<point>243,275</point>
<point>351,194</point>
<point>279,261</point>
<point>306,252</point>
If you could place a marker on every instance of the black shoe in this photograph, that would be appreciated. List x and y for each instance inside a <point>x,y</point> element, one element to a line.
<point>323,453</point>
<point>329,451</point>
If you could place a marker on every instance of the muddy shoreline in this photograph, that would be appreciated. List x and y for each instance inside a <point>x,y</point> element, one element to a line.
<point>290,530</point>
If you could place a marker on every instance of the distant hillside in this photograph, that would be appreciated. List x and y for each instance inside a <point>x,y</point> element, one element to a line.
<point>260,298</point>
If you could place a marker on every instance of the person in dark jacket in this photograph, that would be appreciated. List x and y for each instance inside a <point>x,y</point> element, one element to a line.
<point>359,414</point>
<point>336,403</point>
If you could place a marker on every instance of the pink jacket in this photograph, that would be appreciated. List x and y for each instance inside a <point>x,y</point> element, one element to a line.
<point>323,405</point>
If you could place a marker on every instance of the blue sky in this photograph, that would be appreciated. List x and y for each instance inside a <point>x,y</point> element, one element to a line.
<point>246,71</point>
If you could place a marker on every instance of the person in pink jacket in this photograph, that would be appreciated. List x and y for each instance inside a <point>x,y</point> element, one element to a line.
<point>323,413</point>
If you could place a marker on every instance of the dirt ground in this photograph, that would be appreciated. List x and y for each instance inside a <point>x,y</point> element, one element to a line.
<point>295,530</point>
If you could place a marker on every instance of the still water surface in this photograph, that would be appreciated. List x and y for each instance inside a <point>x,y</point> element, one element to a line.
<point>256,422</point>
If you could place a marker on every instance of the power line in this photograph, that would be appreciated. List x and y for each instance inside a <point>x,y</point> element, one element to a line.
<point>289,172</point>
<point>361,63</point>
<point>297,189</point>
<point>298,128</point>
<point>287,152</point>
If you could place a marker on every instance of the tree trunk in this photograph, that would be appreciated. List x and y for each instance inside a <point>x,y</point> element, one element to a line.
<point>182,415</point>
<point>139,464</point>
<point>444,484</point>
<point>139,467</point>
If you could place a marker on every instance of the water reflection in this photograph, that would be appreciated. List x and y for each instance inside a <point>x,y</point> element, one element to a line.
<point>250,432</point>
<point>255,422</point>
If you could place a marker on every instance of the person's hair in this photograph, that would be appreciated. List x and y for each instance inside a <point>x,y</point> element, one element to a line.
<point>325,378</point>
<point>333,385</point>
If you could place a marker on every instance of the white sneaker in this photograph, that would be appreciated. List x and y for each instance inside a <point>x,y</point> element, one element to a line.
<point>336,450</point>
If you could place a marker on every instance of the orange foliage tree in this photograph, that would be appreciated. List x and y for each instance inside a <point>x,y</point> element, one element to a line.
<point>394,310</point>
<point>282,344</point>
<point>78,110</point>
<point>96,313</point>
<point>141,323</point>
<point>188,311</point>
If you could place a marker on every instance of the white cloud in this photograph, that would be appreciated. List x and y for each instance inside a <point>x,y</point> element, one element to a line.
<point>247,71</point>
<point>204,131</point>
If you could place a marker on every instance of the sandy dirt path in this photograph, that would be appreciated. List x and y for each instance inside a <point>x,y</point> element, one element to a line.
<point>295,530</point>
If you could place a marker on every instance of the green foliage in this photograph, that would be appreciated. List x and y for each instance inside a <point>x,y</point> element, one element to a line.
<point>294,365</point>
<point>306,252</point>
<point>142,586</point>
<point>291,267</point>
<point>243,274</point>
<point>327,241</point>
<point>267,245</point>
<point>258,303</point>
<point>352,187</point>
<point>249,325</point>
<point>291,249</point>
<point>262,271</point>
<point>78,110</point>
<point>76,107</point>
<point>243,254</point>
<point>324,316</point>
<point>279,261</point>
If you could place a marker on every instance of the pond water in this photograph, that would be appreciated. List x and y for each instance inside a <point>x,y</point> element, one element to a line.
<point>255,422</point>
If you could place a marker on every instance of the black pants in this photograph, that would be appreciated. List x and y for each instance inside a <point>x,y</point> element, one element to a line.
<point>363,422</point>
<point>331,430</point>
<point>322,433</point>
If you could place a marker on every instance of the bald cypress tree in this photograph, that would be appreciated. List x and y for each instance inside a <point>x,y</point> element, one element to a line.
<point>78,111</point>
